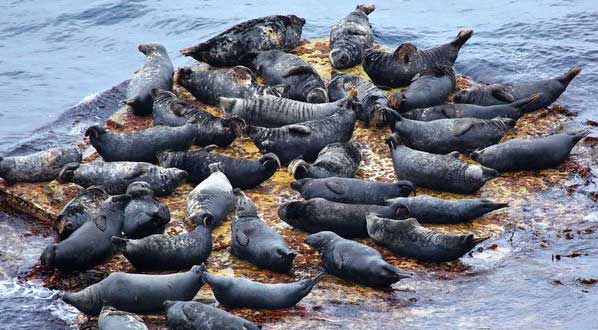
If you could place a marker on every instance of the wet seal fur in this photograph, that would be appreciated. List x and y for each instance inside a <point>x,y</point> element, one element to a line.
<point>79,210</point>
<point>37,167</point>
<point>183,315</point>
<point>238,292</point>
<point>253,240</point>
<point>112,319</point>
<point>136,293</point>
<point>438,172</point>
<point>335,160</point>
<point>211,200</point>
<point>407,238</point>
<point>350,37</point>
<point>353,261</point>
<point>353,191</point>
<point>529,154</point>
<point>115,177</point>
<point>144,215</point>
<point>429,88</point>
<point>157,72</point>
<point>260,34</point>
<point>396,69</point>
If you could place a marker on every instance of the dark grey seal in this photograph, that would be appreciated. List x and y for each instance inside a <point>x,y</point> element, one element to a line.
<point>350,37</point>
<point>429,88</point>
<point>79,210</point>
<point>144,215</point>
<point>335,160</point>
<point>112,319</point>
<point>40,166</point>
<point>186,315</point>
<point>211,200</point>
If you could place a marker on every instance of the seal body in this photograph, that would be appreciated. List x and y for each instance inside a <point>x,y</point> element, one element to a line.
<point>157,72</point>
<point>183,315</point>
<point>335,160</point>
<point>352,191</point>
<point>136,293</point>
<point>112,319</point>
<point>438,172</point>
<point>40,166</point>
<point>79,210</point>
<point>429,88</point>
<point>398,68</point>
<point>211,200</point>
<point>239,292</point>
<point>253,240</point>
<point>115,177</point>
<point>350,37</point>
<point>407,238</point>
<point>353,261</point>
<point>529,154</point>
<point>144,215</point>
<point>260,34</point>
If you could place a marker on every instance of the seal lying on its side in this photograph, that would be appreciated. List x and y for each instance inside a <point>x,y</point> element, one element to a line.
<point>136,293</point>
<point>184,315</point>
<point>211,200</point>
<point>429,88</point>
<point>239,292</point>
<point>115,177</point>
<point>157,72</point>
<point>40,166</point>
<point>350,37</point>
<point>353,191</point>
<point>529,154</point>
<point>112,319</point>
<point>335,160</point>
<point>354,261</point>
<point>79,210</point>
<point>407,238</point>
<point>144,215</point>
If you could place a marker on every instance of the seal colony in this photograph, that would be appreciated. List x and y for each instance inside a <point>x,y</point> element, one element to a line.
<point>211,204</point>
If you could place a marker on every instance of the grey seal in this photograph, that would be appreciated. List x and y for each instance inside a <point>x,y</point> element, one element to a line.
<point>212,199</point>
<point>112,319</point>
<point>144,215</point>
<point>335,160</point>
<point>185,315</point>
<point>37,167</point>
<point>79,210</point>
<point>429,88</point>
<point>350,37</point>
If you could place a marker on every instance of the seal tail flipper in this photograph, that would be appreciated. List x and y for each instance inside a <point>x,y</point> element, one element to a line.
<point>236,124</point>
<point>577,136</point>
<point>476,240</point>
<point>396,100</point>
<point>527,104</point>
<point>566,78</point>
<point>181,74</point>
<point>280,90</point>
<point>67,172</point>
<point>396,272</point>
<point>227,104</point>
<point>488,173</point>
<point>462,38</point>
<point>366,8</point>
<point>119,244</point>
<point>315,280</point>
<point>298,168</point>
<point>193,50</point>
<point>132,102</point>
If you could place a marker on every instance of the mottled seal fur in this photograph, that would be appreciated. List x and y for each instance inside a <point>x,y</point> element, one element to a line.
<point>185,315</point>
<point>335,160</point>
<point>40,166</point>
<point>211,200</point>
<point>350,37</point>
<point>112,319</point>
<point>79,210</point>
<point>429,88</point>
<point>144,215</point>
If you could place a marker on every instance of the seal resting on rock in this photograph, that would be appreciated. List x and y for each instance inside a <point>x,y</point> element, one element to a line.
<point>79,210</point>
<point>144,215</point>
<point>184,315</point>
<point>37,167</point>
<point>112,319</point>
<point>335,160</point>
<point>350,37</point>
<point>211,200</point>
<point>429,88</point>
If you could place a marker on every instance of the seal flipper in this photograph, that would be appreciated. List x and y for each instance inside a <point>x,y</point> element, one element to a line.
<point>119,244</point>
<point>299,129</point>
<point>337,259</point>
<point>404,52</point>
<point>242,72</point>
<point>566,78</point>
<point>335,187</point>
<point>396,272</point>
<point>462,128</point>
<point>302,69</point>
<point>502,93</point>
<point>298,168</point>
<point>462,38</point>
<point>242,238</point>
<point>366,8</point>
<point>527,104</point>
<point>281,90</point>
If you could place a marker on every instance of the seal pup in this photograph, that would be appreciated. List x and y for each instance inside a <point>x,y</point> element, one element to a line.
<point>396,69</point>
<point>157,72</point>
<point>407,238</point>
<point>171,111</point>
<point>136,293</point>
<point>91,244</point>
<point>438,172</point>
<point>260,34</point>
<point>353,261</point>
<point>37,167</point>
<point>347,220</point>
<point>79,210</point>
<point>335,160</point>
<point>115,177</point>
<point>429,209</point>
<point>494,94</point>
<point>253,240</point>
<point>352,191</point>
<point>207,86</point>
<point>278,67</point>
<point>144,215</point>
<point>238,292</point>
<point>112,319</point>
<point>350,37</point>
<point>211,200</point>
<point>429,88</point>
<point>183,315</point>
<point>241,173</point>
<point>529,154</point>
<point>443,136</point>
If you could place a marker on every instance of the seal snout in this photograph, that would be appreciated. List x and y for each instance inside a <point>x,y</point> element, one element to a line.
<point>339,58</point>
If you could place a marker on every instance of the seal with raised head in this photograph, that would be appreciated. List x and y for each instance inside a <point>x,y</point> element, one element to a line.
<point>37,167</point>
<point>157,72</point>
<point>238,292</point>
<point>115,177</point>
<point>211,200</point>
<point>169,110</point>
<point>79,210</point>
<point>529,154</point>
<point>264,33</point>
<point>335,160</point>
<point>91,244</point>
<point>112,319</point>
<point>429,209</point>
<point>253,240</point>
<point>396,69</point>
<point>352,191</point>
<point>136,293</point>
<point>429,88</point>
<point>494,94</point>
<point>184,315</point>
<point>347,220</point>
<point>144,215</point>
<point>353,261</point>
<point>280,68</point>
<point>208,86</point>
<point>438,172</point>
<point>241,173</point>
<point>407,238</point>
<point>350,37</point>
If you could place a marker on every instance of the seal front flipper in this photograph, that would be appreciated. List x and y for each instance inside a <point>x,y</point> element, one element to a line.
<point>337,258</point>
<point>303,69</point>
<point>299,129</point>
<point>462,128</point>
<point>336,187</point>
<point>503,93</point>
<point>404,51</point>
<point>242,238</point>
